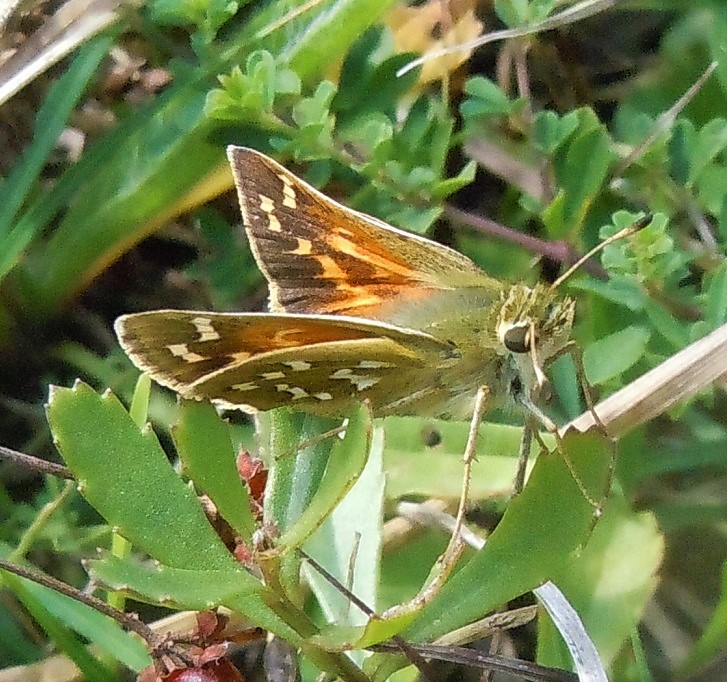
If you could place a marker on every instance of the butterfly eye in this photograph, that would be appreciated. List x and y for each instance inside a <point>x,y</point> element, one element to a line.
<point>517,339</point>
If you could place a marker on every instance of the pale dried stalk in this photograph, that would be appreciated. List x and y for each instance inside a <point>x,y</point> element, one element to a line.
<point>680,377</point>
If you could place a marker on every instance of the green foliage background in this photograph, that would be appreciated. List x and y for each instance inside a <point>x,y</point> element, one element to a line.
<point>146,219</point>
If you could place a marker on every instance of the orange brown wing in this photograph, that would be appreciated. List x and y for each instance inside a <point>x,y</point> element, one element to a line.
<point>261,361</point>
<point>323,258</point>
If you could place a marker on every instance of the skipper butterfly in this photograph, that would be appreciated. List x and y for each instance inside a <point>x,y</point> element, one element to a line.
<point>358,310</point>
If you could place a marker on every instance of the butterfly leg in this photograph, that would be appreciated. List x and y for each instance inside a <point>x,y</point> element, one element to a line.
<point>522,463</point>
<point>470,452</point>
<point>572,349</point>
<point>533,416</point>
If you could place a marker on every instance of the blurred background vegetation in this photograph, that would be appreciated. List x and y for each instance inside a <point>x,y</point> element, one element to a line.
<point>116,198</point>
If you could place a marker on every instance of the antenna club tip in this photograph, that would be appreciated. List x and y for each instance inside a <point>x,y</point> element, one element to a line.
<point>643,222</point>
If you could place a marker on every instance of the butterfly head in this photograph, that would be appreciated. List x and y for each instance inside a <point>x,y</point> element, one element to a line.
<point>532,326</point>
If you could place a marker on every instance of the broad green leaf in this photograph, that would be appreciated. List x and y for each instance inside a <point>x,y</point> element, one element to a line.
<point>236,589</point>
<point>610,582</point>
<point>182,588</point>
<point>583,171</point>
<point>345,464</point>
<point>205,447</point>
<point>123,472</point>
<point>614,354</point>
<point>424,457</point>
<point>540,530</point>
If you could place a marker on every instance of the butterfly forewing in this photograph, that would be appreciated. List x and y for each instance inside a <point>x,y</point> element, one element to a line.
<point>321,257</point>
<point>319,363</point>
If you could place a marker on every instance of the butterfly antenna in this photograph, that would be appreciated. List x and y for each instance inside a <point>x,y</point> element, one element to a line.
<point>640,224</point>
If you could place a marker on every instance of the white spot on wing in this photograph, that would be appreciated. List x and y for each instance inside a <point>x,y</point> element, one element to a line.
<point>269,376</point>
<point>267,205</point>
<point>373,364</point>
<point>294,391</point>
<point>360,381</point>
<point>204,328</point>
<point>180,350</point>
<point>248,386</point>
<point>288,192</point>
<point>298,365</point>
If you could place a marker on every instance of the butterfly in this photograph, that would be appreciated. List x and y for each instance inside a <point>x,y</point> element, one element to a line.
<point>359,310</point>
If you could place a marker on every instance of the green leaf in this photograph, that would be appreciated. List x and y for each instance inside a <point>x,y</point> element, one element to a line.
<point>551,130</point>
<point>110,203</point>
<point>195,589</point>
<point>681,144</point>
<point>485,99</point>
<point>205,447</point>
<point>123,472</point>
<point>175,587</point>
<point>711,140</point>
<point>373,132</point>
<point>512,12</point>
<point>345,464</point>
<point>52,118</point>
<point>609,583</point>
<point>620,289</point>
<point>330,36</point>
<point>675,331</point>
<point>290,442</point>
<point>443,188</point>
<point>540,529</point>
<point>94,626</point>
<point>63,637</point>
<point>614,354</point>
<point>424,457</point>
<point>583,171</point>
<point>249,96</point>
<point>348,544</point>
<point>715,309</point>
<point>368,83</point>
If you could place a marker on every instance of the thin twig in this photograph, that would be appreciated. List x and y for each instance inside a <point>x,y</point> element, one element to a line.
<point>399,644</point>
<point>560,252</point>
<point>568,16</point>
<point>36,463</point>
<point>664,122</point>
<point>475,659</point>
<point>127,621</point>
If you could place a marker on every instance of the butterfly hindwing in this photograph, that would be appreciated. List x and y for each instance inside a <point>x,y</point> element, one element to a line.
<point>260,361</point>
<point>323,258</point>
